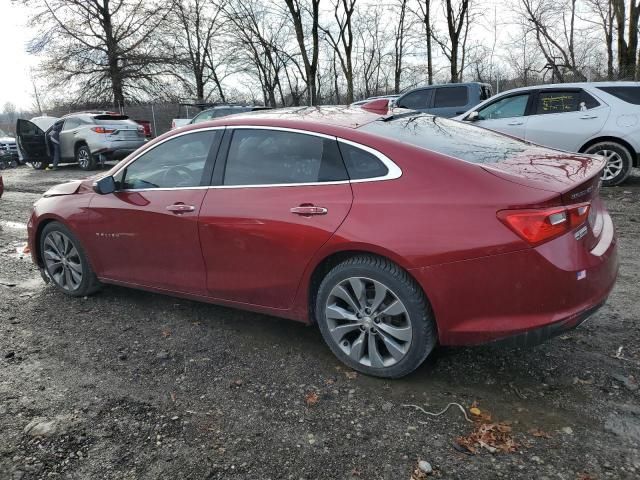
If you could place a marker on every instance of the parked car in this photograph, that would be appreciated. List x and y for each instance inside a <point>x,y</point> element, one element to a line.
<point>223,111</point>
<point>601,118</point>
<point>446,100</point>
<point>392,232</point>
<point>369,99</point>
<point>8,151</point>
<point>86,138</point>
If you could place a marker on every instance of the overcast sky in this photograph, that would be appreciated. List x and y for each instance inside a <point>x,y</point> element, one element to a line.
<point>15,85</point>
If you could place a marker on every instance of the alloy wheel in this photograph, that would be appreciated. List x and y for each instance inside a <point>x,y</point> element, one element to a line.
<point>62,261</point>
<point>368,322</point>
<point>83,158</point>
<point>614,165</point>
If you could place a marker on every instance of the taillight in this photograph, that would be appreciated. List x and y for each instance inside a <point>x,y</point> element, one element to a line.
<point>537,226</point>
<point>103,130</point>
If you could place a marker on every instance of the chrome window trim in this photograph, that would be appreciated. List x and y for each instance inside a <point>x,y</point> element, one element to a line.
<point>393,170</point>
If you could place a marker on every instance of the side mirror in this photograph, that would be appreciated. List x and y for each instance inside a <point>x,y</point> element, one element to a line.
<point>472,117</point>
<point>105,185</point>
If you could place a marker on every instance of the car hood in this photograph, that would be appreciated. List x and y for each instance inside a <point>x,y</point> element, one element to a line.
<point>7,140</point>
<point>70,188</point>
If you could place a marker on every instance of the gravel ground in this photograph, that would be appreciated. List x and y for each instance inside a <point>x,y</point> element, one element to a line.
<point>133,385</point>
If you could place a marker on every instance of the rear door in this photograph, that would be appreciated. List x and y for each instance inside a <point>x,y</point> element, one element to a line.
<point>507,114</point>
<point>67,137</point>
<point>279,195</point>
<point>565,118</point>
<point>449,101</point>
<point>32,142</point>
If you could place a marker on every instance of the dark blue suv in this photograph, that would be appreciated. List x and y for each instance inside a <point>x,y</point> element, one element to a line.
<point>446,100</point>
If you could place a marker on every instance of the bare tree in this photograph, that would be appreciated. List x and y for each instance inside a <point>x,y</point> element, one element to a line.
<point>309,59</point>
<point>197,43</point>
<point>553,24</point>
<point>342,41</point>
<point>107,48</point>
<point>457,16</point>
<point>401,37</point>
<point>602,10</point>
<point>627,26</point>
<point>424,13</point>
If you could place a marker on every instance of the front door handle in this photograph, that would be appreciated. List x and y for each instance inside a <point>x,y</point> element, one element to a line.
<point>180,208</point>
<point>308,210</point>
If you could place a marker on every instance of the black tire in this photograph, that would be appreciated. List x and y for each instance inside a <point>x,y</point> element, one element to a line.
<point>617,172</point>
<point>89,282</point>
<point>39,165</point>
<point>86,161</point>
<point>13,163</point>
<point>402,287</point>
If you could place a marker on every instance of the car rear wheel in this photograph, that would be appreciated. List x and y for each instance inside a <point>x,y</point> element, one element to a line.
<point>619,162</point>
<point>374,317</point>
<point>65,262</point>
<point>85,159</point>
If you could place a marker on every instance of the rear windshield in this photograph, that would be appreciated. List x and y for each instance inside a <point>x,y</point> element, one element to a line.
<point>449,137</point>
<point>110,117</point>
<point>113,121</point>
<point>626,94</point>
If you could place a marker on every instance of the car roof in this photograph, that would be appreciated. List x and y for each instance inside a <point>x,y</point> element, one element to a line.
<point>333,116</point>
<point>445,85</point>
<point>555,86</point>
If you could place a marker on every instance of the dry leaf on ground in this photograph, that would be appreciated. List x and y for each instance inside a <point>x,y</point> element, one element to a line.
<point>311,399</point>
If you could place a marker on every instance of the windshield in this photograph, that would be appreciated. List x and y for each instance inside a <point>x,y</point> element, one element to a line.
<point>449,137</point>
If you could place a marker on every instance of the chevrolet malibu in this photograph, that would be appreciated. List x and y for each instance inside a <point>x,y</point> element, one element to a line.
<point>392,231</point>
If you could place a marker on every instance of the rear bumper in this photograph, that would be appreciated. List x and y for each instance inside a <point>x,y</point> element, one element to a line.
<point>525,296</point>
<point>117,150</point>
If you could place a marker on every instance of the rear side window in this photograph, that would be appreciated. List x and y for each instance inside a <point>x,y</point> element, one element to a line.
<point>273,157</point>
<point>558,102</point>
<point>626,94</point>
<point>361,164</point>
<point>415,100</point>
<point>451,97</point>
<point>485,92</point>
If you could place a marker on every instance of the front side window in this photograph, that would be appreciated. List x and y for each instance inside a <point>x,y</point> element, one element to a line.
<point>558,102</point>
<point>176,163</point>
<point>272,157</point>
<point>415,100</point>
<point>514,106</point>
<point>451,97</point>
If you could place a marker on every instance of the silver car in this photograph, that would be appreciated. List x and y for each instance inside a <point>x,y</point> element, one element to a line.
<point>86,138</point>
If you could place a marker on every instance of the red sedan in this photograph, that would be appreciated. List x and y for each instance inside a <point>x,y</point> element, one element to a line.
<point>392,231</point>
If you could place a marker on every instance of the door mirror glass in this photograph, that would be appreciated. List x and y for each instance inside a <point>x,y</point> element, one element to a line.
<point>472,117</point>
<point>105,185</point>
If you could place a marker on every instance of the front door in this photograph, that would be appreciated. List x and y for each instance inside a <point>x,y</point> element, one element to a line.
<point>280,197</point>
<point>32,142</point>
<point>506,115</point>
<point>146,233</point>
<point>565,119</point>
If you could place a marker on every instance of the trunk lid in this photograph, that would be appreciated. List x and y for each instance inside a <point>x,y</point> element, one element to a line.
<point>576,177</point>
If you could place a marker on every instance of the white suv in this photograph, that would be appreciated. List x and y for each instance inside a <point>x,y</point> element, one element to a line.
<point>600,118</point>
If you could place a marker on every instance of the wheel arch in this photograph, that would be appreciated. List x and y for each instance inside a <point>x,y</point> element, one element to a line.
<point>329,261</point>
<point>624,143</point>
<point>38,233</point>
<point>79,143</point>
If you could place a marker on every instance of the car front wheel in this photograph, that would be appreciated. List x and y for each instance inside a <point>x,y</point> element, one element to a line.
<point>619,162</point>
<point>85,159</point>
<point>65,262</point>
<point>374,317</point>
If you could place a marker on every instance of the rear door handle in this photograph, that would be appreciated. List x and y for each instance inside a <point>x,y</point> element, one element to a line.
<point>308,210</point>
<point>588,117</point>
<point>180,208</point>
<point>516,123</point>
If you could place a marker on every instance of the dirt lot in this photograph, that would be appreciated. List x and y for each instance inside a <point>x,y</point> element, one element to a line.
<point>132,385</point>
